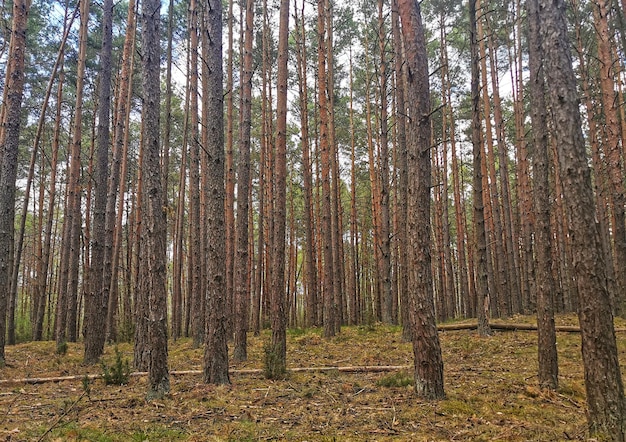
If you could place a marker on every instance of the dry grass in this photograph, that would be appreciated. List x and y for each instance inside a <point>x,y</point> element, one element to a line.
<point>491,387</point>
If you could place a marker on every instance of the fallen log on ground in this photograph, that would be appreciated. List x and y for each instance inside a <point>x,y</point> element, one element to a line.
<point>512,327</point>
<point>247,371</point>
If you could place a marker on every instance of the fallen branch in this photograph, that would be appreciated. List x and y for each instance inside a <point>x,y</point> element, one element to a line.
<point>514,327</point>
<point>247,371</point>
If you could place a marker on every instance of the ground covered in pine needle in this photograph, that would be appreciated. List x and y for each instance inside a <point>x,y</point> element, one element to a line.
<point>491,388</point>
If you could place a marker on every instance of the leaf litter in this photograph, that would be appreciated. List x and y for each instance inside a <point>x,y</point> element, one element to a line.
<point>491,386</point>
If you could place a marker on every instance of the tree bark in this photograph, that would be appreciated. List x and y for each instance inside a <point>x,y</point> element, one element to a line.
<point>482,287</point>
<point>154,232</point>
<point>241,283</point>
<point>97,294</point>
<point>215,338</point>
<point>426,348</point>
<point>547,354</point>
<point>603,381</point>
<point>276,354</point>
<point>9,146</point>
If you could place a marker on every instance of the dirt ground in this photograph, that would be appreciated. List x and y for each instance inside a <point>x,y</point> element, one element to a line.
<point>491,387</point>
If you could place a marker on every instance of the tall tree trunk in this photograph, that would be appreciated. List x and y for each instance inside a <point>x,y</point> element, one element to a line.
<point>9,144</point>
<point>38,298</point>
<point>403,177</point>
<point>97,294</point>
<point>117,181</point>
<point>276,355</point>
<point>241,284</point>
<point>154,231</point>
<point>385,231</point>
<point>547,354</point>
<point>613,151</point>
<point>325,150</point>
<point>71,240</point>
<point>215,338</point>
<point>195,243</point>
<point>603,381</point>
<point>482,287</point>
<point>310,311</point>
<point>426,348</point>
<point>230,166</point>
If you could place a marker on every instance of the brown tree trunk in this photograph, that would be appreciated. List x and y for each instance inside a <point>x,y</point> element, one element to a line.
<point>154,231</point>
<point>97,294</point>
<point>613,151</point>
<point>310,311</point>
<point>117,181</point>
<point>9,143</point>
<point>229,166</point>
<point>71,242</point>
<point>195,243</point>
<point>241,283</point>
<point>603,381</point>
<point>215,340</point>
<point>385,232</point>
<point>547,354</point>
<point>403,178</point>
<point>482,287</point>
<point>325,150</point>
<point>426,349</point>
<point>276,355</point>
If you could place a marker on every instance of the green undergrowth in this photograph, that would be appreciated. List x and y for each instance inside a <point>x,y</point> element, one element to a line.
<point>491,388</point>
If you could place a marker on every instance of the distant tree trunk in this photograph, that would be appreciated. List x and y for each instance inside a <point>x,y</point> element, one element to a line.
<point>426,348</point>
<point>276,354</point>
<point>197,319</point>
<point>337,238</point>
<point>241,283</point>
<point>167,125</point>
<point>613,151</point>
<point>230,166</point>
<point>482,288</point>
<point>327,290</point>
<point>39,294</point>
<point>310,311</point>
<point>9,144</point>
<point>39,305</point>
<point>71,239</point>
<point>97,294</point>
<point>548,363</point>
<point>353,279</point>
<point>113,223</point>
<point>154,231</point>
<point>603,381</point>
<point>385,231</point>
<point>501,290</point>
<point>215,338</point>
<point>179,231</point>
<point>403,178</point>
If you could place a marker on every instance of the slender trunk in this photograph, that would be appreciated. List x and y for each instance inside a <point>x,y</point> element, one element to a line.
<point>547,354</point>
<point>276,355</point>
<point>482,288</point>
<point>215,337</point>
<point>325,150</point>
<point>241,283</point>
<point>117,181</point>
<point>97,294</point>
<point>426,348</point>
<point>9,144</point>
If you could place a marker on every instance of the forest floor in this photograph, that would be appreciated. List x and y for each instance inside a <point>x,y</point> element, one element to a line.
<point>491,387</point>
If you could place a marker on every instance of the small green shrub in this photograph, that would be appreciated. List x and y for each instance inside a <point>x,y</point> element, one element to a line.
<point>61,348</point>
<point>118,373</point>
<point>398,379</point>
